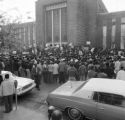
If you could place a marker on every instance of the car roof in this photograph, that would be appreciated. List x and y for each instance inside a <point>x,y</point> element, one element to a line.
<point>113,86</point>
<point>6,72</point>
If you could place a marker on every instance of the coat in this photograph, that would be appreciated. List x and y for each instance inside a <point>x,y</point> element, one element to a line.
<point>7,87</point>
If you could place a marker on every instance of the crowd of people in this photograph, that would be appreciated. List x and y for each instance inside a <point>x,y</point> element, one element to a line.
<point>60,64</point>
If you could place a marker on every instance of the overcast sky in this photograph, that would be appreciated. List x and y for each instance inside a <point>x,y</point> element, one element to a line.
<point>25,8</point>
<point>114,5</point>
<point>21,8</point>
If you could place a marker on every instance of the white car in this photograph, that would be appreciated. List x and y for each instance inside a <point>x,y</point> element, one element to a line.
<point>24,84</point>
<point>95,99</point>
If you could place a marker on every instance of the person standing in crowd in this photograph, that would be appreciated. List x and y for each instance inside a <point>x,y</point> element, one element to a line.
<point>62,71</point>
<point>101,74</point>
<point>55,72</point>
<point>33,72</point>
<point>1,80</point>
<point>72,73</point>
<point>8,89</point>
<point>21,71</point>
<point>15,67</point>
<point>38,74</point>
<point>50,70</point>
<point>117,66</point>
<point>1,65</point>
<point>45,72</point>
<point>8,65</point>
<point>28,74</point>
<point>109,70</point>
<point>121,74</point>
<point>123,62</point>
<point>82,72</point>
<point>91,72</point>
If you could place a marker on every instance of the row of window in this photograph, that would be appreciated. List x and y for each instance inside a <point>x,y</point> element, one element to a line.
<point>113,35</point>
<point>122,20</point>
<point>24,34</point>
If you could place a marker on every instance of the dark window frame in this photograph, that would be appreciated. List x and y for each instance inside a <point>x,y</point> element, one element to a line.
<point>113,102</point>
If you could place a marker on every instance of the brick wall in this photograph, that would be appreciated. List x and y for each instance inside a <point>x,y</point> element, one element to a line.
<point>81,21</point>
<point>40,19</point>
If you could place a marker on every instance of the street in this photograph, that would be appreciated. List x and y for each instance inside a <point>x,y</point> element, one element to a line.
<point>31,106</point>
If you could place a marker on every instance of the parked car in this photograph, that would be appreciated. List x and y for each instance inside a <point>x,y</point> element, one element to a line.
<point>95,99</point>
<point>24,84</point>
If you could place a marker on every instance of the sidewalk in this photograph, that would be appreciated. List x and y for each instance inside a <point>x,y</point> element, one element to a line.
<point>22,114</point>
<point>26,112</point>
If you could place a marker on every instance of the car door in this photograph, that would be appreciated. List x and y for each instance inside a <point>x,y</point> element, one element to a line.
<point>85,103</point>
<point>110,107</point>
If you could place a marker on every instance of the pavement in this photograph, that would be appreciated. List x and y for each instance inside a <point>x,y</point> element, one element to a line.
<point>30,106</point>
<point>23,113</point>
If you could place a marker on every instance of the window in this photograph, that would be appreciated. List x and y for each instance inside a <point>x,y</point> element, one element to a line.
<point>123,20</point>
<point>95,97</point>
<point>105,98</point>
<point>113,21</point>
<point>122,36</point>
<point>118,100</point>
<point>113,36</point>
<point>104,36</point>
<point>111,99</point>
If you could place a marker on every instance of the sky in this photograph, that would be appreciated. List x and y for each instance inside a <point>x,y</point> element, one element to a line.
<point>114,5</point>
<point>25,9</point>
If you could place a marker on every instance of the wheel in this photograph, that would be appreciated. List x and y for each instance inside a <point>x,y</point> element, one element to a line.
<point>74,114</point>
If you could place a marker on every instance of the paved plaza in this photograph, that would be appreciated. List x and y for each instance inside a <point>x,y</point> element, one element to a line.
<point>30,106</point>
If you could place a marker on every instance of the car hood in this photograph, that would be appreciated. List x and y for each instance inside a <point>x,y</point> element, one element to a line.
<point>68,88</point>
<point>23,81</point>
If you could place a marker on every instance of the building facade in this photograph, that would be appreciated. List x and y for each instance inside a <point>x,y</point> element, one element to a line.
<point>79,22</point>
<point>25,35</point>
<point>111,30</point>
<point>67,21</point>
<point>19,36</point>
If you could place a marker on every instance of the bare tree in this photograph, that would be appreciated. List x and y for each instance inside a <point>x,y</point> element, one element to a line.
<point>8,32</point>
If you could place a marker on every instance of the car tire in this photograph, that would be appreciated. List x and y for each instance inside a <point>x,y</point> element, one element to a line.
<point>74,114</point>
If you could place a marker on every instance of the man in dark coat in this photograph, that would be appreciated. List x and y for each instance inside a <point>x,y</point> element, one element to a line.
<point>62,71</point>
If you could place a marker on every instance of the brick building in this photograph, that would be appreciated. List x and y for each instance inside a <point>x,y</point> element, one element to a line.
<point>25,35</point>
<point>79,22</point>
<point>71,21</point>
<point>111,30</point>
<point>19,36</point>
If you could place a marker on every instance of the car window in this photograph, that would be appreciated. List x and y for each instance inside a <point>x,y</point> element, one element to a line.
<point>111,99</point>
<point>118,100</point>
<point>95,96</point>
<point>105,98</point>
